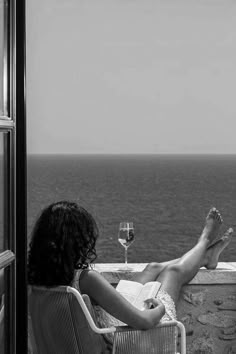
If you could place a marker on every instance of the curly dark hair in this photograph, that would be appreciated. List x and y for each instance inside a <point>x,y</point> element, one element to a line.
<point>63,239</point>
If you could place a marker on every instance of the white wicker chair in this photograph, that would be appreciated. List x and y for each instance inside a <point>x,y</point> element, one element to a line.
<point>63,323</point>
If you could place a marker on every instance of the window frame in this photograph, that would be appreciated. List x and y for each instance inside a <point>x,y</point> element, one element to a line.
<point>13,259</point>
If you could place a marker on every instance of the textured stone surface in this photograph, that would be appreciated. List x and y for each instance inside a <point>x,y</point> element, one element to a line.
<point>197,298</point>
<point>188,322</point>
<point>207,319</point>
<point>230,348</point>
<point>216,319</point>
<point>204,344</point>
<point>229,303</point>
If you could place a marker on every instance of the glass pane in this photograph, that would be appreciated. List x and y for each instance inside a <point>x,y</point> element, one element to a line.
<point>1,190</point>
<point>2,311</point>
<point>1,56</point>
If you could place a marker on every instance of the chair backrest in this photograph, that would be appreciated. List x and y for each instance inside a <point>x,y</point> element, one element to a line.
<point>59,324</point>
<point>159,340</point>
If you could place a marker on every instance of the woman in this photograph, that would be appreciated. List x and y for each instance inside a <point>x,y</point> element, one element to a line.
<point>63,246</point>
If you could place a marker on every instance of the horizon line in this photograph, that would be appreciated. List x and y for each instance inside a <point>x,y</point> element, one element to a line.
<point>134,153</point>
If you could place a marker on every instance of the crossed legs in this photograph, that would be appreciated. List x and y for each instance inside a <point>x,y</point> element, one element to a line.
<point>175,273</point>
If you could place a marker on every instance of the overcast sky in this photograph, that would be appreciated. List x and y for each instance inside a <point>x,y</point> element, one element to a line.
<point>131,76</point>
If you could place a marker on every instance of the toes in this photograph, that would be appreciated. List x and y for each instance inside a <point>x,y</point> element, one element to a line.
<point>219,217</point>
<point>226,238</point>
<point>212,213</point>
<point>215,214</point>
<point>228,233</point>
<point>230,230</point>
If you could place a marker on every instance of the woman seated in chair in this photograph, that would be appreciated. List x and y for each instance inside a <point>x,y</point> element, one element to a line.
<point>63,247</point>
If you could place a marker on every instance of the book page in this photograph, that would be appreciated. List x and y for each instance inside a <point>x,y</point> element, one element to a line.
<point>149,290</point>
<point>129,289</point>
<point>136,293</point>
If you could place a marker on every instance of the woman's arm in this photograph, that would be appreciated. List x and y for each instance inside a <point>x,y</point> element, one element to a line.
<point>102,293</point>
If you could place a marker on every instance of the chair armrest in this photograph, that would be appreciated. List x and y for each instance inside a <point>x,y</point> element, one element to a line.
<point>81,300</point>
<point>126,328</point>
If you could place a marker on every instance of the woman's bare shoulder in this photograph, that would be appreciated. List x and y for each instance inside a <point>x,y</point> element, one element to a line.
<point>90,277</point>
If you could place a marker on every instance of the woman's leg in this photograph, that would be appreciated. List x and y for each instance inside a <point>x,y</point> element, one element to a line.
<point>174,276</point>
<point>210,231</point>
<point>152,271</point>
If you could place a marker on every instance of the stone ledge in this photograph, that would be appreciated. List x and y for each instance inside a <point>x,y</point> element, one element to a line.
<point>225,273</point>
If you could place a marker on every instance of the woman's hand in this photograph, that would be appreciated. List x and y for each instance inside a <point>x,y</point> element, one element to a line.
<point>153,302</point>
<point>157,309</point>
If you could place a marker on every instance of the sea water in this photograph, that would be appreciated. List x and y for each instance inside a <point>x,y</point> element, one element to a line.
<point>167,197</point>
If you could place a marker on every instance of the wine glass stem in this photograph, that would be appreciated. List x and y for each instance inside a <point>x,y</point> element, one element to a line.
<point>126,255</point>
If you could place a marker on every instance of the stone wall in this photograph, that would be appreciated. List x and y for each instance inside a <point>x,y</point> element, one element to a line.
<point>207,306</point>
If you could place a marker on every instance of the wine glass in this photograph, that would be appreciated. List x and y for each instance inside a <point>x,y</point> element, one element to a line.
<point>126,236</point>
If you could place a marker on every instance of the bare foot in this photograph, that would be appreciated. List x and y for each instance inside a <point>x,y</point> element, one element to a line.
<point>212,225</point>
<point>215,250</point>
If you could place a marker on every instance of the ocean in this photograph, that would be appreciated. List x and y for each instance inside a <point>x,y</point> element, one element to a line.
<point>166,197</point>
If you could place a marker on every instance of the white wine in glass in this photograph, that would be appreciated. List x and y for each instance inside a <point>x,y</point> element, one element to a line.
<point>126,236</point>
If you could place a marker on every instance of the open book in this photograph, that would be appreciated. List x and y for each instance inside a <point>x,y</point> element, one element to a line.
<point>137,293</point>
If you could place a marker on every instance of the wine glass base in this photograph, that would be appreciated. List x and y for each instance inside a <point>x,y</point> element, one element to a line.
<point>125,268</point>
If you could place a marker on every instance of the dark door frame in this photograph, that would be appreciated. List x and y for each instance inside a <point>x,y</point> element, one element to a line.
<point>21,178</point>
